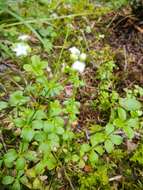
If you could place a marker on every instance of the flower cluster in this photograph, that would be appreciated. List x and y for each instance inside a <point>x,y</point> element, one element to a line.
<point>78,58</point>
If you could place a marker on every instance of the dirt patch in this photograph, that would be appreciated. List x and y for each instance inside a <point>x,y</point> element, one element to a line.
<point>127,42</point>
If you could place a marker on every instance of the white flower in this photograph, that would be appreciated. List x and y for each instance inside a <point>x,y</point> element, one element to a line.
<point>82,57</point>
<point>79,66</point>
<point>21,49</point>
<point>74,51</point>
<point>101,36</point>
<point>24,37</point>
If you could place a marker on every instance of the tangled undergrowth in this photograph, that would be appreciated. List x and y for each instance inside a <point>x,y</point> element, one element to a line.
<point>71,97</point>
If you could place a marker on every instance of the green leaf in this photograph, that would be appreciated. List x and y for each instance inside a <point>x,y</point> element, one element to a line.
<point>84,148</point>
<point>45,147</point>
<point>97,138</point>
<point>81,164</point>
<point>3,105</point>
<point>16,185</point>
<point>75,158</point>
<point>27,67</point>
<point>37,184</point>
<point>130,104</point>
<point>119,123</point>
<point>55,108</point>
<point>116,139</point>
<point>68,135</point>
<point>40,136</point>
<point>24,180</point>
<point>27,134</point>
<point>37,66</point>
<point>48,126</point>
<point>30,173</point>
<point>60,130</point>
<point>93,157</point>
<point>17,98</point>
<point>53,140</point>
<point>37,124</point>
<point>7,180</point>
<point>40,167</point>
<point>20,163</point>
<point>122,114</point>
<point>19,122</point>
<point>10,157</point>
<point>109,146</point>
<point>129,132</point>
<point>109,128</point>
<point>99,149</point>
<point>51,164</point>
<point>30,155</point>
<point>40,114</point>
<point>133,122</point>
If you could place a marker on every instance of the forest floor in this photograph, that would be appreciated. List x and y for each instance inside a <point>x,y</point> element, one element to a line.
<point>64,129</point>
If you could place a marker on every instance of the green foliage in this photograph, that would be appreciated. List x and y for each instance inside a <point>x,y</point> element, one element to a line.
<point>138,155</point>
<point>44,144</point>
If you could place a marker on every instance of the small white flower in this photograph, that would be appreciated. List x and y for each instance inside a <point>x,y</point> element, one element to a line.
<point>21,49</point>
<point>82,57</point>
<point>74,51</point>
<point>79,66</point>
<point>101,36</point>
<point>24,37</point>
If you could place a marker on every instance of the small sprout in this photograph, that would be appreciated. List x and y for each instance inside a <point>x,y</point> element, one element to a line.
<point>21,49</point>
<point>79,66</point>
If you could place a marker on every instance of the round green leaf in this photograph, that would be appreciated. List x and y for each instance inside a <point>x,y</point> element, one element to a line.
<point>37,124</point>
<point>9,157</point>
<point>7,180</point>
<point>122,114</point>
<point>93,157</point>
<point>109,146</point>
<point>109,128</point>
<point>116,139</point>
<point>3,105</point>
<point>27,134</point>
<point>20,164</point>
<point>16,185</point>
<point>130,104</point>
<point>129,132</point>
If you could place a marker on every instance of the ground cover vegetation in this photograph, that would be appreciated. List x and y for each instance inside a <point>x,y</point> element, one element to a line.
<point>71,95</point>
